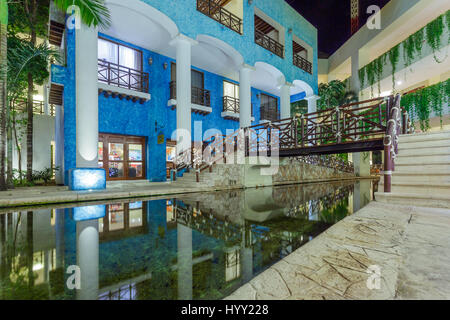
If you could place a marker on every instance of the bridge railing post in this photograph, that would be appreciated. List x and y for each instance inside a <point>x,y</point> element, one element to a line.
<point>302,123</point>
<point>338,125</point>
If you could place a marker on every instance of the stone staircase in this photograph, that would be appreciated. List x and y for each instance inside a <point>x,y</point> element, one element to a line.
<point>422,171</point>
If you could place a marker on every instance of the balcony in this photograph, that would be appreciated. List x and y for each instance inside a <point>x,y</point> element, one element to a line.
<point>38,107</point>
<point>268,43</point>
<point>230,104</point>
<point>302,63</point>
<point>200,98</point>
<point>214,10</point>
<point>123,77</point>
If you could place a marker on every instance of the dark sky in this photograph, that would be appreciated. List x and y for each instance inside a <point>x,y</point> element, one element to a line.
<point>332,19</point>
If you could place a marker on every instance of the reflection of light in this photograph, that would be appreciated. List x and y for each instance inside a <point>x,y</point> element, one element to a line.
<point>89,213</point>
<point>87,179</point>
<point>399,82</point>
<point>38,266</point>
<point>386,93</point>
<point>38,97</point>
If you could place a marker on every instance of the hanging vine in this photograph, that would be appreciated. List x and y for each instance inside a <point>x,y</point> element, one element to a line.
<point>434,31</point>
<point>423,102</point>
<point>412,49</point>
<point>393,58</point>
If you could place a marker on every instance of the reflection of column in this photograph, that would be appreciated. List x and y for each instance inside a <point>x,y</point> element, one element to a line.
<point>183,46</point>
<point>357,197</point>
<point>245,96</point>
<point>59,230</point>
<point>88,259</point>
<point>285,101</point>
<point>247,256</point>
<point>184,262</point>
<point>86,96</point>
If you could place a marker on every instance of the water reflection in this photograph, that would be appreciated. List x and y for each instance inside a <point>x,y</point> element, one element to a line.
<point>191,247</point>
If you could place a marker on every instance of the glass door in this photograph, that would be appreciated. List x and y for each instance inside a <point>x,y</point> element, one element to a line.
<point>123,157</point>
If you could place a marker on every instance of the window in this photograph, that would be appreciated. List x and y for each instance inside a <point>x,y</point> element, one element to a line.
<point>269,108</point>
<point>230,90</point>
<point>123,157</point>
<point>119,54</point>
<point>197,78</point>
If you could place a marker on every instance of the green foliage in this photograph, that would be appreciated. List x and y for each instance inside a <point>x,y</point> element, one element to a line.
<point>421,103</point>
<point>299,107</point>
<point>330,94</point>
<point>434,31</point>
<point>19,21</point>
<point>412,48</point>
<point>24,58</point>
<point>93,12</point>
<point>393,58</point>
<point>39,177</point>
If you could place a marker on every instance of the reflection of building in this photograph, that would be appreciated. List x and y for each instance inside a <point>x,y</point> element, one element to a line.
<point>232,63</point>
<point>166,249</point>
<point>123,219</point>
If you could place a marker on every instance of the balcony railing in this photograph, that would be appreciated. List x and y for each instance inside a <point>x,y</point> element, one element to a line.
<point>198,95</point>
<point>38,107</point>
<point>231,104</point>
<point>302,63</point>
<point>122,77</point>
<point>215,11</point>
<point>268,43</point>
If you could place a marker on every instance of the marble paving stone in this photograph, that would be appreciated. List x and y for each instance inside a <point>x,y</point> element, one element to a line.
<point>409,245</point>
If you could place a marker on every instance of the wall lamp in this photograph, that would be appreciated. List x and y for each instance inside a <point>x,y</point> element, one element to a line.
<point>165,65</point>
<point>150,61</point>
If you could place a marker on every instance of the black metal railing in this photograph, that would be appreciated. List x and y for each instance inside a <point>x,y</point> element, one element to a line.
<point>231,104</point>
<point>199,96</point>
<point>302,63</point>
<point>215,11</point>
<point>268,43</point>
<point>122,77</point>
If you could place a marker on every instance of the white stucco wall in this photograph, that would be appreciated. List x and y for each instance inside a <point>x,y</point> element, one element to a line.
<point>43,135</point>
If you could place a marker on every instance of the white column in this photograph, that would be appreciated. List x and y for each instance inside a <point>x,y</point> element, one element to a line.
<point>87,96</point>
<point>245,96</point>
<point>45,93</point>
<point>312,103</point>
<point>88,259</point>
<point>183,46</point>
<point>285,101</point>
<point>184,262</point>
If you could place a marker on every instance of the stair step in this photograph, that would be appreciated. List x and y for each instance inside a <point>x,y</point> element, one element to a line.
<point>414,199</point>
<point>423,144</point>
<point>423,168</point>
<point>423,159</point>
<point>417,178</point>
<point>418,137</point>
<point>429,151</point>
<point>420,187</point>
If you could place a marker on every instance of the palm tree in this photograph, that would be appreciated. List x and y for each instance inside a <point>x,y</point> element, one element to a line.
<point>3,94</point>
<point>93,12</point>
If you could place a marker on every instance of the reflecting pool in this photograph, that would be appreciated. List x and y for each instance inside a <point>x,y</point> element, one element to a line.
<point>197,246</point>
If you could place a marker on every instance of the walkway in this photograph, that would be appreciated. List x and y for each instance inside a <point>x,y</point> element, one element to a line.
<point>411,245</point>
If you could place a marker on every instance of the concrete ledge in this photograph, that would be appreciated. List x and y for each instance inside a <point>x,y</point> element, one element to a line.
<point>119,90</point>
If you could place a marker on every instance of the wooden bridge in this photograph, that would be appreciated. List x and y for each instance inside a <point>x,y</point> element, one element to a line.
<point>370,125</point>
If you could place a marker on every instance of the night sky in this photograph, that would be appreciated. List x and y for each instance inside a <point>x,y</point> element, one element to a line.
<point>332,19</point>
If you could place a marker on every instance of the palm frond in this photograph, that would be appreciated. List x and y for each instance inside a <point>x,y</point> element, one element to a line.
<point>93,12</point>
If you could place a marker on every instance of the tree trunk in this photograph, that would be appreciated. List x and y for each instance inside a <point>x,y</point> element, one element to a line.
<point>30,128</point>
<point>3,94</point>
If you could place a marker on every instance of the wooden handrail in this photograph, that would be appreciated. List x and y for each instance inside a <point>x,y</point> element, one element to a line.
<point>123,77</point>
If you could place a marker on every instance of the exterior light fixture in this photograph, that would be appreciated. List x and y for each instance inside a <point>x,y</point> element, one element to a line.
<point>250,2</point>
<point>165,65</point>
<point>150,61</point>
<point>258,95</point>
<point>84,179</point>
<point>290,30</point>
